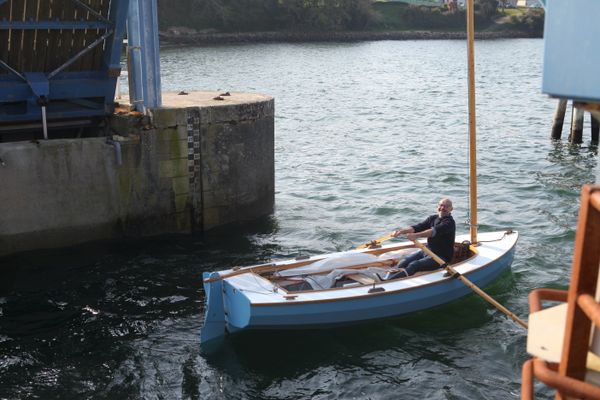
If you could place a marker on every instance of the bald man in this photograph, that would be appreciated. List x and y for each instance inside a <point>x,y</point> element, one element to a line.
<point>440,231</point>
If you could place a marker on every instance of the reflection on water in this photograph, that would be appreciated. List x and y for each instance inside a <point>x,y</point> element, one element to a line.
<point>368,137</point>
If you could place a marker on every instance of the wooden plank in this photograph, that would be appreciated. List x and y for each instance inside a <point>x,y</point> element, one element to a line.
<point>56,39</point>
<point>89,36</point>
<point>97,55</point>
<point>365,280</point>
<point>28,42</point>
<point>69,36</point>
<point>16,35</point>
<point>41,39</point>
<point>584,278</point>
<point>53,39</point>
<point>274,268</point>
<point>4,42</point>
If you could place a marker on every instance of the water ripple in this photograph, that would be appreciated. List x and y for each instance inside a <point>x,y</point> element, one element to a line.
<point>368,137</point>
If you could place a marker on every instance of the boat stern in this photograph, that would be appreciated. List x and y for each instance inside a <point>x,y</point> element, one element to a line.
<point>214,311</point>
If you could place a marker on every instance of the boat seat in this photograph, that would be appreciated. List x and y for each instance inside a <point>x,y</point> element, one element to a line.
<point>365,280</point>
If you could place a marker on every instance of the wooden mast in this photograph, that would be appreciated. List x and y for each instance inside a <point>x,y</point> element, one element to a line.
<point>472,142</point>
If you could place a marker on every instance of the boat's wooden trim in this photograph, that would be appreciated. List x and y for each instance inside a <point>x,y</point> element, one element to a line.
<point>365,280</point>
<point>471,247</point>
<point>274,267</point>
<point>385,293</point>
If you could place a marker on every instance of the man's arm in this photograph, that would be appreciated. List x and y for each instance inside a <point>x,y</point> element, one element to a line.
<point>403,231</point>
<point>420,230</point>
<point>427,233</point>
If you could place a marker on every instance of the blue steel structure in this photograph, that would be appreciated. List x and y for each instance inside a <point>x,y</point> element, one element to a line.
<point>60,60</point>
<point>572,50</point>
<point>143,55</point>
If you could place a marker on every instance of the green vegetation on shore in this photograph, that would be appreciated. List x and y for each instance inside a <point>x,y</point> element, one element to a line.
<point>239,16</point>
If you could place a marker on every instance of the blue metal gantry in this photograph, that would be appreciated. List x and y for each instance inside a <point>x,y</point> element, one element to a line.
<point>60,59</point>
<point>572,50</point>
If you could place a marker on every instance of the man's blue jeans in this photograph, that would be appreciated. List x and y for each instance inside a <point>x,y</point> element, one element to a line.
<point>418,261</point>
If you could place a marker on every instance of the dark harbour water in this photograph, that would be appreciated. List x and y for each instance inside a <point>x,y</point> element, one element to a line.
<point>368,137</point>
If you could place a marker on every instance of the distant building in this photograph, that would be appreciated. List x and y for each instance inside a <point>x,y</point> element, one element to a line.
<point>459,3</point>
<point>430,3</point>
<point>528,3</point>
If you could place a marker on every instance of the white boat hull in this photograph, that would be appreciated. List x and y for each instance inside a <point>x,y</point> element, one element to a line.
<point>248,301</point>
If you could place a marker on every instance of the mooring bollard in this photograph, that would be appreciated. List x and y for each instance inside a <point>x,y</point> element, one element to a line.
<point>559,117</point>
<point>576,135</point>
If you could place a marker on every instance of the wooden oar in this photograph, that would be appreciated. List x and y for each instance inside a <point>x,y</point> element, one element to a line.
<point>274,268</point>
<point>375,243</point>
<point>469,284</point>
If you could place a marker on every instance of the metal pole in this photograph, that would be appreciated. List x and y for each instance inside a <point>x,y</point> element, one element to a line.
<point>150,52</point>
<point>44,123</point>
<point>134,50</point>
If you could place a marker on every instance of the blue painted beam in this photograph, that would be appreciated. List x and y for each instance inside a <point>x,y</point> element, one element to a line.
<point>78,55</point>
<point>62,89</point>
<point>66,94</point>
<point>30,25</point>
<point>63,113</point>
<point>572,50</point>
<point>150,53</point>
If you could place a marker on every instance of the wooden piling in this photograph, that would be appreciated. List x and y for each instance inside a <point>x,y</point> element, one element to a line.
<point>595,128</point>
<point>576,135</point>
<point>559,117</point>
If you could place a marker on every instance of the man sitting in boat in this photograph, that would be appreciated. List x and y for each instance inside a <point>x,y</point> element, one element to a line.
<point>440,230</point>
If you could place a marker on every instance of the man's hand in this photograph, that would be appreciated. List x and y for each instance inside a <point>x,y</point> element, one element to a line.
<point>411,236</point>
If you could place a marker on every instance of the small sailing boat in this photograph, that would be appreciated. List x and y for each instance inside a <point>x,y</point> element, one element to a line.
<point>350,287</point>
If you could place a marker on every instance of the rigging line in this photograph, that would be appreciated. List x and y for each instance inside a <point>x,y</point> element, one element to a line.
<point>253,291</point>
<point>259,283</point>
<point>495,240</point>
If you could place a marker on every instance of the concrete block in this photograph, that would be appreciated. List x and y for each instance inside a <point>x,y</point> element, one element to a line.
<point>238,112</point>
<point>125,124</point>
<point>172,149</point>
<point>182,221</point>
<point>213,217</point>
<point>66,191</point>
<point>181,185</point>
<point>181,202</point>
<point>172,133</point>
<point>167,117</point>
<point>173,168</point>
<point>221,197</point>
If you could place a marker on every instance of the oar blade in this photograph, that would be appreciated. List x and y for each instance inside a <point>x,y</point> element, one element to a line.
<point>375,243</point>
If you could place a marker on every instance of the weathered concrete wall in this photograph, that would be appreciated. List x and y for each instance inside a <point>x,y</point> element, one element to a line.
<point>197,164</point>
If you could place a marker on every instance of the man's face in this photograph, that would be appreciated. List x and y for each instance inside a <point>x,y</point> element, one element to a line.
<point>444,207</point>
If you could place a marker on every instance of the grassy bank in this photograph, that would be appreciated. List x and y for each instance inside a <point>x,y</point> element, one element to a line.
<point>328,18</point>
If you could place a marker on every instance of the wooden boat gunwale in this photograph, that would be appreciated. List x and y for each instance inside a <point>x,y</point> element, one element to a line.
<point>363,266</point>
<point>282,265</point>
<point>282,301</point>
<point>387,292</point>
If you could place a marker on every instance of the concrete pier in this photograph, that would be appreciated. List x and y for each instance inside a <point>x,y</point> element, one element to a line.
<point>194,164</point>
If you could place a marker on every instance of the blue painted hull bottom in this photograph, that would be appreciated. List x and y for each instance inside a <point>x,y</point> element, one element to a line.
<point>377,306</point>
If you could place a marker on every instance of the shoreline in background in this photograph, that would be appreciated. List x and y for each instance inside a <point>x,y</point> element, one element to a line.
<point>200,38</point>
